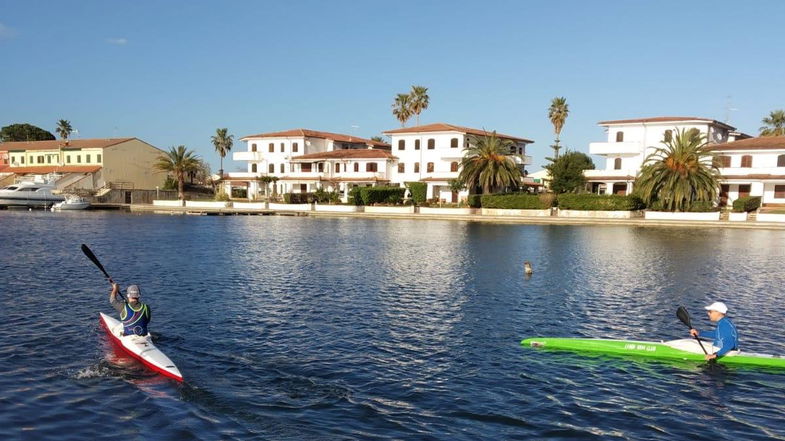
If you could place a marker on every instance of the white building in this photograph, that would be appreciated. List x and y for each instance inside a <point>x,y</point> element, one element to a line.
<point>630,141</point>
<point>432,153</point>
<point>304,160</point>
<point>752,167</point>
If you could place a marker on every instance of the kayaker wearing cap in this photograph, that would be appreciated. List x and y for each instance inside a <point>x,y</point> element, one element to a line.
<point>134,314</point>
<point>725,336</point>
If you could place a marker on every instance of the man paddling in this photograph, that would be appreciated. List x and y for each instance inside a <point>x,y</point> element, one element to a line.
<point>725,336</point>
<point>134,314</point>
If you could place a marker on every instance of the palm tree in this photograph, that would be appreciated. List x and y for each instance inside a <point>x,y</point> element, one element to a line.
<point>419,100</point>
<point>557,113</point>
<point>775,124</point>
<point>180,161</point>
<point>487,163</point>
<point>402,108</point>
<point>223,143</point>
<point>680,173</point>
<point>64,128</point>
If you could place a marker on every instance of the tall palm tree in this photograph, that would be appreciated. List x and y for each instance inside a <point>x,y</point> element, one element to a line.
<point>180,161</point>
<point>402,108</point>
<point>680,173</point>
<point>223,143</point>
<point>419,101</point>
<point>557,113</point>
<point>64,129</point>
<point>775,124</point>
<point>487,163</point>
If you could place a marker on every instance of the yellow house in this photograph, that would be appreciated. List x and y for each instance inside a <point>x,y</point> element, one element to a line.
<point>88,163</point>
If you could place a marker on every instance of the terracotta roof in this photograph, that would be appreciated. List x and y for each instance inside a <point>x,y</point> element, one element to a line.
<point>610,178</point>
<point>752,176</point>
<point>761,143</point>
<point>664,119</point>
<point>444,127</point>
<point>54,168</point>
<point>59,143</point>
<point>347,154</point>
<point>306,133</point>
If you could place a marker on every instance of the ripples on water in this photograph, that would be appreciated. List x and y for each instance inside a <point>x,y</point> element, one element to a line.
<point>303,328</point>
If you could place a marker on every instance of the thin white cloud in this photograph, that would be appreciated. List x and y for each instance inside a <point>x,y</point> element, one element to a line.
<point>117,41</point>
<point>7,32</point>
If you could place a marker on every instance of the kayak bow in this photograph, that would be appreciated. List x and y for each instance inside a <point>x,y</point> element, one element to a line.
<point>684,349</point>
<point>141,348</point>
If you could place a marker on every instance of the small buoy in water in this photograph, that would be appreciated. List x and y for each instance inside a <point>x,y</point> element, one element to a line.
<point>527,267</point>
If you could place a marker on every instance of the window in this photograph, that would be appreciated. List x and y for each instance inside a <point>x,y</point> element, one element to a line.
<point>22,159</point>
<point>431,144</point>
<point>429,167</point>
<point>746,161</point>
<point>320,167</point>
<point>668,136</point>
<point>619,136</point>
<point>78,159</point>
<point>272,147</point>
<point>401,168</point>
<point>371,167</point>
<point>253,147</point>
<point>294,147</point>
<point>454,143</point>
<point>337,167</point>
<point>722,161</point>
<point>282,148</point>
<point>417,144</point>
<point>781,161</point>
<point>88,159</point>
<point>40,159</point>
<point>253,168</point>
<point>305,168</point>
<point>744,190</point>
<point>401,144</point>
<point>98,158</point>
<point>417,167</point>
<point>283,168</point>
<point>356,167</point>
<point>617,164</point>
<point>271,168</point>
<point>48,159</point>
<point>67,159</point>
<point>453,166</point>
<point>779,192</point>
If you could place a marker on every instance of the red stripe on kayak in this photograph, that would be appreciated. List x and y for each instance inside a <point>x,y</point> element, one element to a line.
<point>117,342</point>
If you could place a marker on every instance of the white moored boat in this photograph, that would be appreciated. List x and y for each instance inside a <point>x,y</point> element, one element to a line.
<point>71,202</point>
<point>140,347</point>
<point>29,194</point>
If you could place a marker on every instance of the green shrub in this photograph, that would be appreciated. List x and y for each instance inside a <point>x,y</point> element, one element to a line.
<point>170,184</point>
<point>746,204</point>
<point>221,196</point>
<point>382,195</point>
<point>323,196</point>
<point>599,202</point>
<point>474,200</point>
<point>702,207</point>
<point>513,201</point>
<point>299,198</point>
<point>355,197</point>
<point>418,191</point>
<point>240,193</point>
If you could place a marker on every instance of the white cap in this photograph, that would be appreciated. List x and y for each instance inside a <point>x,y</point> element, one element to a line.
<point>718,306</point>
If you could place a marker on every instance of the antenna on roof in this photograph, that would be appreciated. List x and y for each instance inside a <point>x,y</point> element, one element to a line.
<point>728,109</point>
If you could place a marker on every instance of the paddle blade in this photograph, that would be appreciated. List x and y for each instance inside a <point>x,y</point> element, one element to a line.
<point>684,316</point>
<point>89,253</point>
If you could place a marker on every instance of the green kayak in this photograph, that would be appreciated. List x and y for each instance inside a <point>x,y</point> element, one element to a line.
<point>685,349</point>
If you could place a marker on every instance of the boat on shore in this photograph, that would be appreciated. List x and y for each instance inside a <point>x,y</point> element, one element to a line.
<point>71,202</point>
<point>29,194</point>
<point>140,347</point>
<point>683,349</point>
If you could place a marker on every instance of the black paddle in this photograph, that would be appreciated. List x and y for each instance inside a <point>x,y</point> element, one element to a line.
<point>89,253</point>
<point>684,316</point>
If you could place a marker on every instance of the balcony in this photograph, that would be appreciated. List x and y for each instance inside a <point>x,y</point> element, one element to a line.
<point>742,172</point>
<point>622,174</point>
<point>247,156</point>
<point>523,159</point>
<point>616,148</point>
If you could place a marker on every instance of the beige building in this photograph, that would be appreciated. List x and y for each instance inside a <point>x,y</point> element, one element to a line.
<point>89,164</point>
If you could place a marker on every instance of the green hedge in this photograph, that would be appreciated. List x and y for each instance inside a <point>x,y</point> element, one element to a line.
<point>746,204</point>
<point>418,191</point>
<point>474,200</point>
<point>299,198</point>
<point>697,207</point>
<point>376,195</point>
<point>513,201</point>
<point>599,202</point>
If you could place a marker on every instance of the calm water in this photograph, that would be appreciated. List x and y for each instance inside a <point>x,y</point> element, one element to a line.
<point>308,329</point>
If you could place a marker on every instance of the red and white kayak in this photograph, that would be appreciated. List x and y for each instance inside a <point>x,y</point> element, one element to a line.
<point>141,348</point>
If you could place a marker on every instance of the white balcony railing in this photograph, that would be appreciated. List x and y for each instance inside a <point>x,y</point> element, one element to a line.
<point>744,171</point>
<point>616,148</point>
<point>623,173</point>
<point>247,156</point>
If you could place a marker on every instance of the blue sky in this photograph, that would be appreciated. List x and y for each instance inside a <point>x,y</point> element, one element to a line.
<point>172,72</point>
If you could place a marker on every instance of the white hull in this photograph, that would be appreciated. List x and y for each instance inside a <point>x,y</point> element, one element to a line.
<point>141,348</point>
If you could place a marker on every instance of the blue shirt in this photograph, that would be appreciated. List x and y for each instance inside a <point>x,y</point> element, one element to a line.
<point>725,336</point>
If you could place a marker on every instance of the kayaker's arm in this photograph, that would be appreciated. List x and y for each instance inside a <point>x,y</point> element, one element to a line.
<point>117,304</point>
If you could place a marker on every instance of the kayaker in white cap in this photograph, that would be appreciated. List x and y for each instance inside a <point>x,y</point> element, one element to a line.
<point>134,314</point>
<point>725,336</point>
